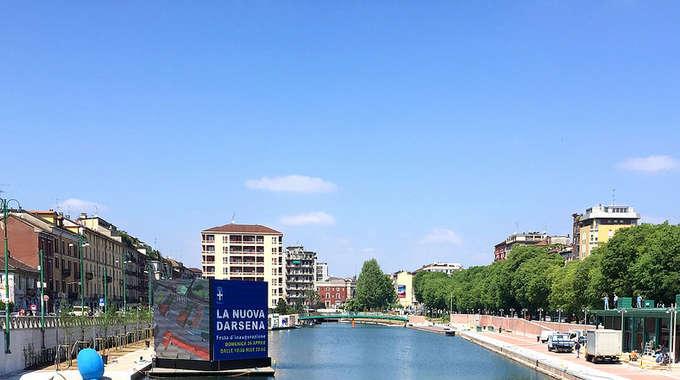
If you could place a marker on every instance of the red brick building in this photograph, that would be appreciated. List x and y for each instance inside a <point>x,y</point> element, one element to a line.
<point>335,291</point>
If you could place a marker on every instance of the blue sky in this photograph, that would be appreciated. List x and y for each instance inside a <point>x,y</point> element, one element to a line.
<point>406,132</point>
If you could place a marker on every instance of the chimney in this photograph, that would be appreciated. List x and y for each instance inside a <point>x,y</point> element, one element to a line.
<point>83,215</point>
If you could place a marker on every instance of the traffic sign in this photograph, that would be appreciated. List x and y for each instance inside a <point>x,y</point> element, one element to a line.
<point>46,298</point>
<point>101,302</point>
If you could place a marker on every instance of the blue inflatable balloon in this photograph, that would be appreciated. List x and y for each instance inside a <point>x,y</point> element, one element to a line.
<point>90,364</point>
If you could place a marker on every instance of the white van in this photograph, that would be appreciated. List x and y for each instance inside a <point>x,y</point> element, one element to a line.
<point>80,310</point>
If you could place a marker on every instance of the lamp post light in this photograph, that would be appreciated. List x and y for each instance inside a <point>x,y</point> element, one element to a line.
<point>450,304</point>
<point>5,206</point>
<point>148,271</point>
<point>540,313</point>
<point>82,242</point>
<point>123,266</point>
<point>512,312</point>
<point>585,315</point>
<point>502,312</point>
<point>673,314</point>
<point>524,313</point>
<point>623,335</point>
<point>41,268</point>
<point>559,315</point>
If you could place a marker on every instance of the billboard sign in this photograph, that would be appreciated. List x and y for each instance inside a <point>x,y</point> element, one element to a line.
<point>401,291</point>
<point>181,319</point>
<point>238,319</point>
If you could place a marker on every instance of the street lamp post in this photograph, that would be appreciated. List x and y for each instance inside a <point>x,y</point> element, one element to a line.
<point>149,276</point>
<point>540,313</point>
<point>82,243</point>
<point>585,315</point>
<point>450,305</point>
<point>559,315</point>
<point>512,312</point>
<point>623,335</point>
<point>673,313</point>
<point>106,285</point>
<point>42,298</point>
<point>123,267</point>
<point>4,204</point>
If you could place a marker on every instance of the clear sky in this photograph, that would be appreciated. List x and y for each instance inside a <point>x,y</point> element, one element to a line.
<point>406,132</point>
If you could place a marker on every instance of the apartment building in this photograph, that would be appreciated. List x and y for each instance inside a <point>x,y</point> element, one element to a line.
<point>446,268</point>
<point>111,267</point>
<point>598,224</point>
<point>502,249</point>
<point>403,284</point>
<point>321,271</point>
<point>249,252</point>
<point>300,274</point>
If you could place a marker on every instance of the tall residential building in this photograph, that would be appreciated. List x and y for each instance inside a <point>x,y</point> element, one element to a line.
<point>300,274</point>
<point>321,272</point>
<point>250,252</point>
<point>446,268</point>
<point>598,225</point>
<point>403,284</point>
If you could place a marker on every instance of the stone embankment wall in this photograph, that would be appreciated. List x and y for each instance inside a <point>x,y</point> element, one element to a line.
<point>26,338</point>
<point>517,326</point>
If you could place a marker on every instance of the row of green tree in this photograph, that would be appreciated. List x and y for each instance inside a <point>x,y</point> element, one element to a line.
<point>641,260</point>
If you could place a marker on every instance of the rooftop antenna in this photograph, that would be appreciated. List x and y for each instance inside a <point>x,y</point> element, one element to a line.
<point>613,197</point>
<point>59,209</point>
<point>233,218</point>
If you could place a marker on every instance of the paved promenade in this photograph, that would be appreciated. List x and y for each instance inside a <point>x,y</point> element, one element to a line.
<point>535,353</point>
<point>563,360</point>
<point>124,364</point>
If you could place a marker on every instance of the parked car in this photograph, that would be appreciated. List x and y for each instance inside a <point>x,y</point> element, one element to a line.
<point>560,342</point>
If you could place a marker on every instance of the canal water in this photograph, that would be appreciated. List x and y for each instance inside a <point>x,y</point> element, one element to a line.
<point>338,351</point>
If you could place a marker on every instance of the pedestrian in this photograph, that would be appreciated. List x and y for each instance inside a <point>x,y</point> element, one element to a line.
<point>639,301</point>
<point>606,301</point>
<point>616,301</point>
<point>577,347</point>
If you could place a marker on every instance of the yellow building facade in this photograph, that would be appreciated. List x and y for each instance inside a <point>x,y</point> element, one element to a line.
<point>403,284</point>
<point>598,224</point>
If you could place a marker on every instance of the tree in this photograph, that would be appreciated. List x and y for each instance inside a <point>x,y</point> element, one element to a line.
<point>531,281</point>
<point>281,307</point>
<point>374,288</point>
<point>643,259</point>
<point>313,299</point>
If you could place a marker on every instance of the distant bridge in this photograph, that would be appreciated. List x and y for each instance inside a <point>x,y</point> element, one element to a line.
<point>384,317</point>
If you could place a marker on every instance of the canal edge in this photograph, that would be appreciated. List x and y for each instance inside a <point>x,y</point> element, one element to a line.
<point>547,369</point>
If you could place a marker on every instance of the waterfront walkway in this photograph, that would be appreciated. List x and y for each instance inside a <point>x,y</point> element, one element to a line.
<point>125,363</point>
<point>536,355</point>
<point>568,360</point>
